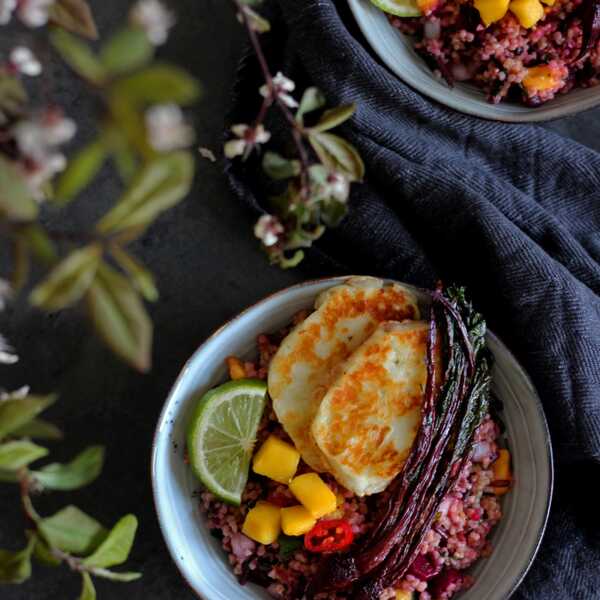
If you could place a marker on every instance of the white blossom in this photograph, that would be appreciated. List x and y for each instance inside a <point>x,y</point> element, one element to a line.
<point>37,140</point>
<point>154,19</point>
<point>7,8</point>
<point>34,13</point>
<point>167,129</point>
<point>268,229</point>
<point>248,137</point>
<point>6,293</point>
<point>24,61</point>
<point>17,394</point>
<point>337,187</point>
<point>7,353</point>
<point>281,86</point>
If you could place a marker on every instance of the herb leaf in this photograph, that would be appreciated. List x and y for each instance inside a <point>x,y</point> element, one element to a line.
<point>81,471</point>
<point>71,530</point>
<point>88,591</point>
<point>19,453</point>
<point>69,280</point>
<point>116,547</point>
<point>15,567</point>
<point>20,411</point>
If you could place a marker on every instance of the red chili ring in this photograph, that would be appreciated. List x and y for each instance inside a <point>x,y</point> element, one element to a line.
<point>332,535</point>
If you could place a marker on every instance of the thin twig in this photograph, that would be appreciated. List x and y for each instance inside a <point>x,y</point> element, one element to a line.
<point>297,132</point>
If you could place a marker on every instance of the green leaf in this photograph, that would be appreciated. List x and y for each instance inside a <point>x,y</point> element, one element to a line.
<point>126,162</point>
<point>128,118</point>
<point>257,22</point>
<point>88,591</point>
<point>71,530</point>
<point>116,547</point>
<point>332,212</point>
<point>20,453</point>
<point>126,50</point>
<point>8,476</point>
<point>78,56</point>
<point>13,97</point>
<point>312,99</point>
<point>39,429</point>
<point>158,84</point>
<point>113,576</point>
<point>41,246</point>
<point>15,567</point>
<point>288,545</point>
<point>334,117</point>
<point>16,201</point>
<point>160,185</point>
<point>81,170</point>
<point>69,280</point>
<point>338,154</point>
<point>20,411</point>
<point>120,318</point>
<point>41,551</point>
<point>75,16</point>
<point>142,279</point>
<point>292,261</point>
<point>278,167</point>
<point>81,471</point>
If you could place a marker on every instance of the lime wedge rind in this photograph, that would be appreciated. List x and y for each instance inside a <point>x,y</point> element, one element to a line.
<point>399,8</point>
<point>221,436</point>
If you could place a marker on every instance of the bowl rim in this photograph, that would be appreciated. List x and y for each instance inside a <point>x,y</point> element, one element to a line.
<point>336,280</point>
<point>483,110</point>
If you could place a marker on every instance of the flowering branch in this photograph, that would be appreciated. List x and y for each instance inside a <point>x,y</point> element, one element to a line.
<point>318,178</point>
<point>141,130</point>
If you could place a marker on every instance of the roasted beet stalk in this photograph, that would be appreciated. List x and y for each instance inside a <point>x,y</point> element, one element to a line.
<point>590,20</point>
<point>442,446</point>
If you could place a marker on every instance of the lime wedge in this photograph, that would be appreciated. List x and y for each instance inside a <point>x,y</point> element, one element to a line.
<point>400,8</point>
<point>222,434</point>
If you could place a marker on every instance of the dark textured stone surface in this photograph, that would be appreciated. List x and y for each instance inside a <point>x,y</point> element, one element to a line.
<point>208,267</point>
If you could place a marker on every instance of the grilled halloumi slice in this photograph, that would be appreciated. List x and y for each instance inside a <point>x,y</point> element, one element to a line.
<point>308,359</point>
<point>368,420</point>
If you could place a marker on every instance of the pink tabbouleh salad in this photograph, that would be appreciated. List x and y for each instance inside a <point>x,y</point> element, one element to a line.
<point>357,457</point>
<point>521,50</point>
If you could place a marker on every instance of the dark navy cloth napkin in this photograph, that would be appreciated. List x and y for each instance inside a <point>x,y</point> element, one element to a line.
<point>511,211</point>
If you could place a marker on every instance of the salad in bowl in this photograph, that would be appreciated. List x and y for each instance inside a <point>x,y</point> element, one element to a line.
<point>357,456</point>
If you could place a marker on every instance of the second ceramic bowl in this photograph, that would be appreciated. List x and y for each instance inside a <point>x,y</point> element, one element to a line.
<point>396,51</point>
<point>198,555</point>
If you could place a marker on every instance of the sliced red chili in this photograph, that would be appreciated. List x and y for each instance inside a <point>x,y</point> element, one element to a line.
<point>329,536</point>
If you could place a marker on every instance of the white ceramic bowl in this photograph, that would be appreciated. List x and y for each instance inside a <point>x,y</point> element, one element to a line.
<point>199,556</point>
<point>396,51</point>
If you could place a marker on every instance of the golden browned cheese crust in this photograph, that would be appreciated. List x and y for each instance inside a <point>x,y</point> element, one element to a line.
<point>309,359</point>
<point>367,422</point>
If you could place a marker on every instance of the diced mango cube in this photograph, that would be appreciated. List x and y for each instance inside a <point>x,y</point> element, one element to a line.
<point>549,2</point>
<point>263,523</point>
<point>312,492</point>
<point>236,368</point>
<point>528,12</point>
<point>502,472</point>
<point>403,595</point>
<point>491,11</point>
<point>276,460</point>
<point>296,520</point>
<point>540,79</point>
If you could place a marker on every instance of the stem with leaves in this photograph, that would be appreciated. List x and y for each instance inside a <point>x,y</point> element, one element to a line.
<point>141,132</point>
<point>318,177</point>
<point>70,536</point>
